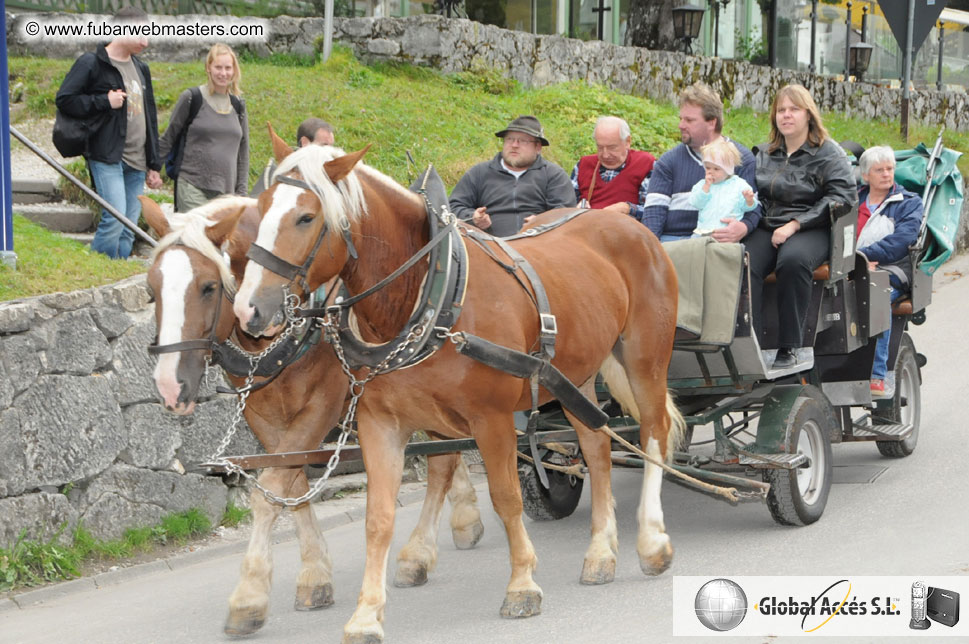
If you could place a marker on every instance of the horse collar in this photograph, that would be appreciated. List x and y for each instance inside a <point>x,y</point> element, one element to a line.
<point>441,297</point>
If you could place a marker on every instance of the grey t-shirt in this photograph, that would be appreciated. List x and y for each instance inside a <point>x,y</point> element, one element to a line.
<point>216,155</point>
<point>134,142</point>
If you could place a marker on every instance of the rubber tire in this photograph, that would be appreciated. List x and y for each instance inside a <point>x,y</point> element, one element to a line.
<point>908,381</point>
<point>557,502</point>
<point>787,501</point>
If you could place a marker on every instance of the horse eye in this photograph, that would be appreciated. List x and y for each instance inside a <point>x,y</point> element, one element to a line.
<point>208,289</point>
<point>304,218</point>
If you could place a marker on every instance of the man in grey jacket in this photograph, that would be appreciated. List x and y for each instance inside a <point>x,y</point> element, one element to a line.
<point>500,195</point>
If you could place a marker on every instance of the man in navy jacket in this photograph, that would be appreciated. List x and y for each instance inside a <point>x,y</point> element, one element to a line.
<point>667,210</point>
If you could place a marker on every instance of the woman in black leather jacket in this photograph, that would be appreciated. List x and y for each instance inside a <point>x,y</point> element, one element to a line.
<point>800,174</point>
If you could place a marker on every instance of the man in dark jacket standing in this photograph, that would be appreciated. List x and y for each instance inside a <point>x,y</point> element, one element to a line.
<point>500,195</point>
<point>113,84</point>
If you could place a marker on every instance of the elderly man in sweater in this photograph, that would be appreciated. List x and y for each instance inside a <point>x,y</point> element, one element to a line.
<point>616,177</point>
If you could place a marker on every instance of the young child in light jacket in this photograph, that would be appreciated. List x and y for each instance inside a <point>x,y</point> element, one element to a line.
<point>721,193</point>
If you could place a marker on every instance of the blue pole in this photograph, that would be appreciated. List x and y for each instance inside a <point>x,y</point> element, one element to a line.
<point>7,256</point>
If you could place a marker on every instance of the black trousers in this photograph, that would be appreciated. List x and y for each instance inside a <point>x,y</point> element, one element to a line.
<point>794,262</point>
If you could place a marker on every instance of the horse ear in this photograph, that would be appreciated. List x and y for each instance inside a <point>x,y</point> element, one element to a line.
<point>341,166</point>
<point>281,149</point>
<point>224,227</point>
<point>154,216</point>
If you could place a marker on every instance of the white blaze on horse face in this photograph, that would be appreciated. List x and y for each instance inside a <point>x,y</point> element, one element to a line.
<point>284,200</point>
<point>176,272</point>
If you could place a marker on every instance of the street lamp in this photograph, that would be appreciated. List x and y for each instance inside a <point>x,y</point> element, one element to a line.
<point>859,57</point>
<point>686,24</point>
<point>716,5</point>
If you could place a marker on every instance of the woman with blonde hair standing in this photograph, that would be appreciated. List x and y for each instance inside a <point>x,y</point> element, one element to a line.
<point>207,140</point>
<point>799,176</point>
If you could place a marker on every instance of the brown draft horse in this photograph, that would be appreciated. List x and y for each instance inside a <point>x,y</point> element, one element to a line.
<point>292,413</point>
<point>611,285</point>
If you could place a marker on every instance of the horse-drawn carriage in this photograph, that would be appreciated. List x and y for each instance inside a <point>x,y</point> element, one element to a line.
<point>426,293</point>
<point>769,432</point>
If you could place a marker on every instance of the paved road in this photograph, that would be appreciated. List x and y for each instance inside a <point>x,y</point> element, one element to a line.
<point>884,517</point>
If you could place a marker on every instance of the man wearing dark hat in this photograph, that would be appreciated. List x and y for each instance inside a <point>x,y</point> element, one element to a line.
<point>498,195</point>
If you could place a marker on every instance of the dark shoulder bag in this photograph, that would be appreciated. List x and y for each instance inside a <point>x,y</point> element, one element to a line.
<point>71,135</point>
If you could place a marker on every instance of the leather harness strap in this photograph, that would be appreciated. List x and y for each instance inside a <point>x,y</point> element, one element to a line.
<point>439,302</point>
<point>547,325</point>
<point>197,344</point>
<point>292,272</point>
<point>540,371</point>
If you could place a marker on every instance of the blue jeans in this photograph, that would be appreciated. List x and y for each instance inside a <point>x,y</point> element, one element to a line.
<point>879,367</point>
<point>119,184</point>
<point>664,237</point>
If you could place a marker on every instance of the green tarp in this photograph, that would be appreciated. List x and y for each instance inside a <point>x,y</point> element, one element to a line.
<point>946,208</point>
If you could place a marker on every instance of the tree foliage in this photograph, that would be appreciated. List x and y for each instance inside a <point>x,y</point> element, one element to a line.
<point>651,24</point>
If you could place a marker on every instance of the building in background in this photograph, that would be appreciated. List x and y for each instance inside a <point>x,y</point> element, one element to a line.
<point>733,29</point>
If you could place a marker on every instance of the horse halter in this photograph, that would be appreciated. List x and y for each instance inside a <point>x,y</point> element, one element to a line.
<point>292,272</point>
<point>199,344</point>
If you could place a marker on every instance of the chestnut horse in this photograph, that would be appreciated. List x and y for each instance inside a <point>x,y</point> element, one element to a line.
<point>609,282</point>
<point>193,285</point>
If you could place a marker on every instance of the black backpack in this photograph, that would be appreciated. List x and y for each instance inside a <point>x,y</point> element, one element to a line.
<point>70,135</point>
<point>173,162</point>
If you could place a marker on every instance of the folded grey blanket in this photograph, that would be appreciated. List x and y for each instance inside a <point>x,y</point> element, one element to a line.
<point>710,275</point>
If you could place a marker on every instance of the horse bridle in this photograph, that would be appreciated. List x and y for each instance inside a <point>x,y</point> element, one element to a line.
<point>292,272</point>
<point>199,344</point>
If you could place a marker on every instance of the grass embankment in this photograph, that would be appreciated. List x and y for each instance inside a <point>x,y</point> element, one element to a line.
<point>48,262</point>
<point>449,120</point>
<point>31,563</point>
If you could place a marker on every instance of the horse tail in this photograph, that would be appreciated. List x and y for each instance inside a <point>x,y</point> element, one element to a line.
<point>618,382</point>
<point>677,426</point>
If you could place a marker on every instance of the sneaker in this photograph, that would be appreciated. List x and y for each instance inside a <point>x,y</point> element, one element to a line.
<point>785,358</point>
<point>878,388</point>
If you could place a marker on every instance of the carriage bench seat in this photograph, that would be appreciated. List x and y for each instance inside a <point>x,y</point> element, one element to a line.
<point>821,274</point>
<point>902,306</point>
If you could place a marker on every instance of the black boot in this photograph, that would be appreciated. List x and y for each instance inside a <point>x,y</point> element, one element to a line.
<point>785,358</point>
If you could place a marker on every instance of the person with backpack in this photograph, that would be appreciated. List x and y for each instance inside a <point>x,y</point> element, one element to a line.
<point>206,145</point>
<point>112,88</point>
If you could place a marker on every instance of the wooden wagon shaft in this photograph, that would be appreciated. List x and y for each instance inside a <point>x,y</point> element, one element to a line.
<point>353,453</point>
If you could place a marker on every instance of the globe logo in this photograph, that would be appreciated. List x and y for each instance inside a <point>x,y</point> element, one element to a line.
<point>720,605</point>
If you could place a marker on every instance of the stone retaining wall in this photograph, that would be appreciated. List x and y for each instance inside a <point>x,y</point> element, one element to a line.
<point>81,436</point>
<point>454,45</point>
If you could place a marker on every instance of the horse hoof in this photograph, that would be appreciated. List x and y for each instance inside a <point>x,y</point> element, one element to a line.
<point>658,562</point>
<point>410,574</point>
<point>314,597</point>
<point>522,604</point>
<point>244,621</point>
<point>362,638</point>
<point>599,571</point>
<point>468,537</point>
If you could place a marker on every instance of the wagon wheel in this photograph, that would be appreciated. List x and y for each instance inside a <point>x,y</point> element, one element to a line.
<point>556,502</point>
<point>798,496</point>
<point>906,407</point>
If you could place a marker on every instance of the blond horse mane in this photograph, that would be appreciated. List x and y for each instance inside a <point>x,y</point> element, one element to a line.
<point>341,200</point>
<point>188,229</point>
